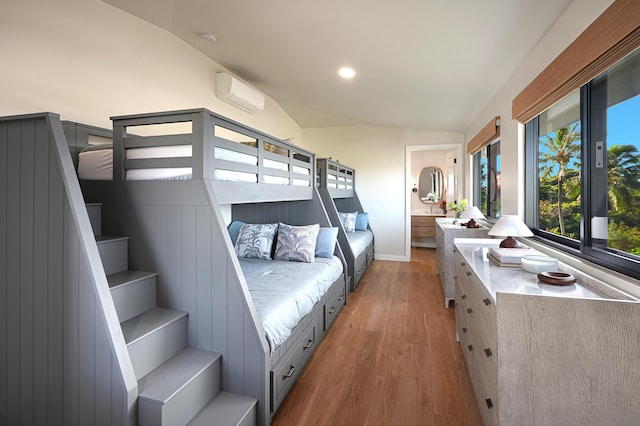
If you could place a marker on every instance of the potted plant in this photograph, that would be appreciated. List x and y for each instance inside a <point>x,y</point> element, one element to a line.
<point>458,208</point>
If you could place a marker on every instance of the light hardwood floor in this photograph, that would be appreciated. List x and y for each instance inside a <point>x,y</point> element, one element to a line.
<point>391,357</point>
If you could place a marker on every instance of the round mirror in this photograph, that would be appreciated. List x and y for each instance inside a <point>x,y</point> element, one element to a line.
<point>431,185</point>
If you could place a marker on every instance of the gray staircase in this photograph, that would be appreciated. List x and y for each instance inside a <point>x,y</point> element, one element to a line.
<point>177,385</point>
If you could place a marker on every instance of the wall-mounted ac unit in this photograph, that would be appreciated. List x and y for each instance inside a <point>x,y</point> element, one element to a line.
<point>238,94</point>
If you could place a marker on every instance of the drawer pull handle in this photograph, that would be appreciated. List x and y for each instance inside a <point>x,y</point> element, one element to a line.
<point>462,264</point>
<point>487,352</point>
<point>487,301</point>
<point>470,348</point>
<point>469,310</point>
<point>308,345</point>
<point>341,297</point>
<point>292,369</point>
<point>464,329</point>
<point>455,277</point>
<point>489,403</point>
<point>464,296</point>
<point>468,273</point>
<point>332,310</point>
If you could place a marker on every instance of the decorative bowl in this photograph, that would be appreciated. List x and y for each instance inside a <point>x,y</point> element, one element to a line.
<point>538,263</point>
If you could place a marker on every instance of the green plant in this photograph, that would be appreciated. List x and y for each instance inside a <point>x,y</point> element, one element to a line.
<point>459,207</point>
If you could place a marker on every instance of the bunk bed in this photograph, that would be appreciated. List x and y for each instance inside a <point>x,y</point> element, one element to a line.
<point>336,185</point>
<point>175,180</point>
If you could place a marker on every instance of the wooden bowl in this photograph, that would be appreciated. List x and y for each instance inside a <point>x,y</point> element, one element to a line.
<point>556,278</point>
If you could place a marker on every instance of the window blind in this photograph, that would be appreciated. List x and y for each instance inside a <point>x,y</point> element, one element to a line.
<point>612,36</point>
<point>488,134</point>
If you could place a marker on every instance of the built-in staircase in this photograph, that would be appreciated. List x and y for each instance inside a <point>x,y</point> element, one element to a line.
<point>177,385</point>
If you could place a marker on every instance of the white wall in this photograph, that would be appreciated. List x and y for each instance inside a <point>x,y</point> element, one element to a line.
<point>378,156</point>
<point>87,61</point>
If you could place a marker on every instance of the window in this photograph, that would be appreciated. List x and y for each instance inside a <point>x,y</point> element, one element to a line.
<point>583,170</point>
<point>486,180</point>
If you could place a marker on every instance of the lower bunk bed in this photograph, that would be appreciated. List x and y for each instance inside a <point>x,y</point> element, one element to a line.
<point>336,185</point>
<point>178,227</point>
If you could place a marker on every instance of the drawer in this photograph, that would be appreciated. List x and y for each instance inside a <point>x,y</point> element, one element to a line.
<point>424,221</point>
<point>423,231</point>
<point>333,306</point>
<point>370,255</point>
<point>360,266</point>
<point>287,370</point>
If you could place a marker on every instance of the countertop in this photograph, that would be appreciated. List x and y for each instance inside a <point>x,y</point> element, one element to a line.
<point>514,280</point>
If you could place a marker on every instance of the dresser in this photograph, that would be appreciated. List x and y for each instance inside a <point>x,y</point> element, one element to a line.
<point>539,354</point>
<point>446,232</point>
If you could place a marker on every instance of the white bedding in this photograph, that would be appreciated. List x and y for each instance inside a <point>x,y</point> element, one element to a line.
<point>359,241</point>
<point>284,292</point>
<point>97,164</point>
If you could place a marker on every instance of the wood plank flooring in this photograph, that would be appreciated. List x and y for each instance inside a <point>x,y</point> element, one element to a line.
<point>391,357</point>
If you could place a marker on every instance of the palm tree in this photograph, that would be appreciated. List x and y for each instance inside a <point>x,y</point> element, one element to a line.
<point>562,149</point>
<point>624,176</point>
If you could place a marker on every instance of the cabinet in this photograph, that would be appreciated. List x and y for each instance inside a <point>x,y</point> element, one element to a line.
<point>423,226</point>
<point>545,355</point>
<point>446,232</point>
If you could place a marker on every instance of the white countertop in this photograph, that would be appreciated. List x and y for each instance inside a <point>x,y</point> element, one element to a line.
<point>512,280</point>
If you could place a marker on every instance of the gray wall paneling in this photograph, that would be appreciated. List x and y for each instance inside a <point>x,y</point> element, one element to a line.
<point>176,230</point>
<point>62,357</point>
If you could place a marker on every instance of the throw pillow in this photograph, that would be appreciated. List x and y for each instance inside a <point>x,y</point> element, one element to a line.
<point>362,221</point>
<point>297,243</point>
<point>348,221</point>
<point>256,240</point>
<point>234,230</point>
<point>326,242</point>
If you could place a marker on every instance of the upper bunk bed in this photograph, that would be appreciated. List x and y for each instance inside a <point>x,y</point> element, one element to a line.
<point>336,184</point>
<point>174,181</point>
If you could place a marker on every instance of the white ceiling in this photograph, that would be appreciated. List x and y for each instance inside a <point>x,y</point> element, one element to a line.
<point>424,64</point>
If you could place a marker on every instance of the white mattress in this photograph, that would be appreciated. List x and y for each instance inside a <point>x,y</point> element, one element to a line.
<point>96,163</point>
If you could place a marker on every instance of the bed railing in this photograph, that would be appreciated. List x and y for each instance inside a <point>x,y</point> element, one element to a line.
<point>205,145</point>
<point>337,178</point>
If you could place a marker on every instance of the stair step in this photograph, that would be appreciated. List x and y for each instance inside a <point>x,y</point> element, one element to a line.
<point>228,409</point>
<point>114,252</point>
<point>95,217</point>
<point>178,389</point>
<point>153,337</point>
<point>133,292</point>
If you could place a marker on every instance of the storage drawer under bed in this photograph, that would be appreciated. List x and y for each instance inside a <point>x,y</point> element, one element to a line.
<point>287,370</point>
<point>334,303</point>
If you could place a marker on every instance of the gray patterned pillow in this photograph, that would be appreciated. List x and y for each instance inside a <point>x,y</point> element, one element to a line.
<point>256,240</point>
<point>297,243</point>
<point>348,221</point>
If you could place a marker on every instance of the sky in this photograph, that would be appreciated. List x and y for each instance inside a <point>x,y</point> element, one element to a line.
<point>624,123</point>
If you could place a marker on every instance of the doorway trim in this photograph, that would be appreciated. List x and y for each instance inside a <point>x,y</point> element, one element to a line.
<point>407,193</point>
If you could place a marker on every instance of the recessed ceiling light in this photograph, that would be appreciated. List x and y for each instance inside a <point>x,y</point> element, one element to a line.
<point>346,72</point>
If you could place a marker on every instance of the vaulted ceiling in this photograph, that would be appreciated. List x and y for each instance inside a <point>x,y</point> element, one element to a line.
<point>423,64</point>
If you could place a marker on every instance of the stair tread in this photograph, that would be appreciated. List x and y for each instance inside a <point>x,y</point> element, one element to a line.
<point>137,327</point>
<point>127,277</point>
<point>108,238</point>
<point>166,380</point>
<point>225,408</point>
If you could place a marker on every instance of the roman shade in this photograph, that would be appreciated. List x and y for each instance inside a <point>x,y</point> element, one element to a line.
<point>488,134</point>
<point>612,36</point>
